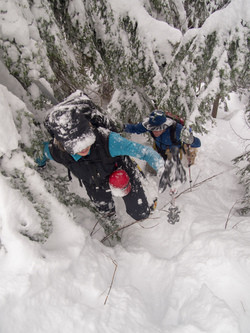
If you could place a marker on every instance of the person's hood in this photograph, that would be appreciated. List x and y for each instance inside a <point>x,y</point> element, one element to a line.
<point>70,127</point>
<point>157,121</point>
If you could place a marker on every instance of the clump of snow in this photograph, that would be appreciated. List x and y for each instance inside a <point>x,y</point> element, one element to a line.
<point>118,192</point>
<point>7,142</point>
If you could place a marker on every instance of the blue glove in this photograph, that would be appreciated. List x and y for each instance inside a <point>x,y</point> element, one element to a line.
<point>41,162</point>
<point>186,135</point>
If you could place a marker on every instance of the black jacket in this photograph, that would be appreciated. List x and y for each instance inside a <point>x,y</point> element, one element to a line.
<point>94,168</point>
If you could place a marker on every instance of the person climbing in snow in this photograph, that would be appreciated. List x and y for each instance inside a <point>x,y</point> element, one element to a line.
<point>93,154</point>
<point>166,132</point>
<point>168,135</point>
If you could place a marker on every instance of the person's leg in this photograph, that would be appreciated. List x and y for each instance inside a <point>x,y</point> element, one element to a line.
<point>101,198</point>
<point>136,202</point>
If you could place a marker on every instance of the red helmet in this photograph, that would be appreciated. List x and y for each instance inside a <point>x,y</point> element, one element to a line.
<point>119,180</point>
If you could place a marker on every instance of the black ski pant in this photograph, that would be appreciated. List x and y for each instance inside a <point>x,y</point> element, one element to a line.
<point>136,202</point>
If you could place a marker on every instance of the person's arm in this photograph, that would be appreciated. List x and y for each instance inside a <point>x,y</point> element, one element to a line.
<point>119,146</point>
<point>135,128</point>
<point>196,143</point>
<point>41,162</point>
<point>52,152</point>
<point>46,151</point>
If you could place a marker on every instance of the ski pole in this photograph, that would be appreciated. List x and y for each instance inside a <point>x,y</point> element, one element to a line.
<point>172,194</point>
<point>189,167</point>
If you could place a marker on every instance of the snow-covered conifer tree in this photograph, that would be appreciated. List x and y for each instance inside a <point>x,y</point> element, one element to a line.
<point>209,61</point>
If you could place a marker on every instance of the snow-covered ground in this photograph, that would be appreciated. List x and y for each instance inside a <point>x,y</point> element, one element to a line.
<point>193,276</point>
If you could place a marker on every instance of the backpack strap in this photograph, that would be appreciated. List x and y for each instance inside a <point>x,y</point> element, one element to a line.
<point>104,154</point>
<point>69,175</point>
<point>173,134</point>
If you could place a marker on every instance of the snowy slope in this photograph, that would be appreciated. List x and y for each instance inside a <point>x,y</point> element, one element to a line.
<point>189,277</point>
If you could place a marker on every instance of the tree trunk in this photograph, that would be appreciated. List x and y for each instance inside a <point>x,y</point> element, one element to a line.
<point>215,106</point>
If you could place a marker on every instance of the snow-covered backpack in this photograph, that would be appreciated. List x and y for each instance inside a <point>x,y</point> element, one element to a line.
<point>80,101</point>
<point>176,118</point>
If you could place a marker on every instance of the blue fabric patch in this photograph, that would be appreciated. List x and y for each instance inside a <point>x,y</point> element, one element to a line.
<point>46,151</point>
<point>119,146</point>
<point>77,157</point>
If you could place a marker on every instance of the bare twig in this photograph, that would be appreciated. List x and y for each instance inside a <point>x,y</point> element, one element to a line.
<point>239,136</point>
<point>111,281</point>
<point>195,186</point>
<point>236,224</point>
<point>119,229</point>
<point>92,232</point>
<point>197,178</point>
<point>149,227</point>
<point>98,221</point>
<point>201,182</point>
<point>243,307</point>
<point>229,214</point>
